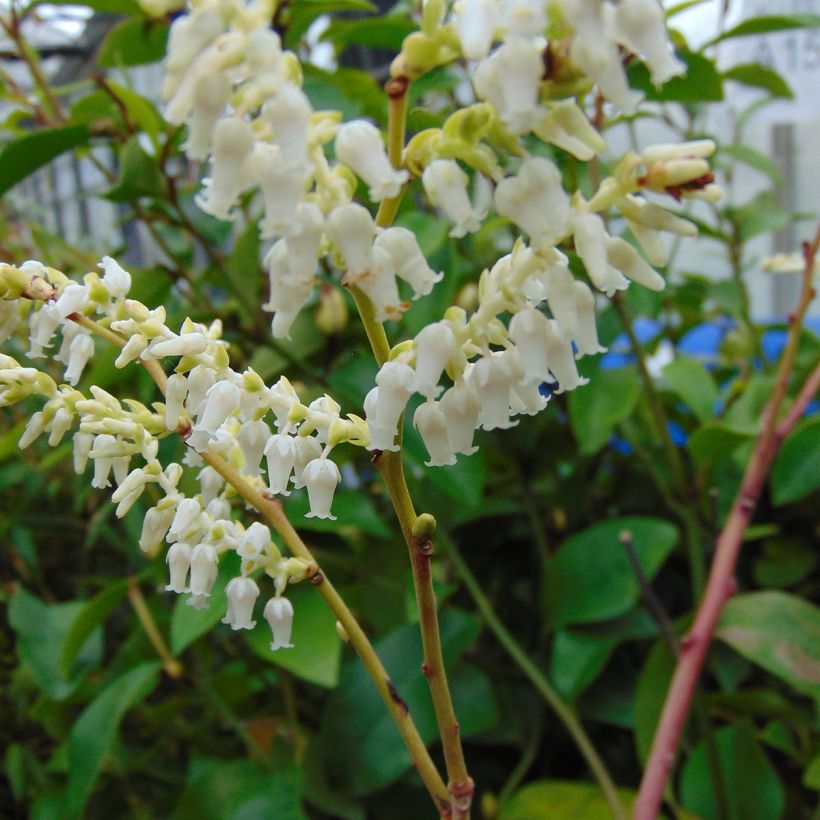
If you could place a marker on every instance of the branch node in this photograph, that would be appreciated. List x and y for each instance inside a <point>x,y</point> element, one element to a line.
<point>396,697</point>
<point>318,578</point>
<point>426,669</point>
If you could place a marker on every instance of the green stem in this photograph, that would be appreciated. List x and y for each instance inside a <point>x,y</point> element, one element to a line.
<point>564,712</point>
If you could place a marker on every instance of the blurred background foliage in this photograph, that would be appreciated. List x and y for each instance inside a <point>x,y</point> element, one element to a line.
<point>117,699</point>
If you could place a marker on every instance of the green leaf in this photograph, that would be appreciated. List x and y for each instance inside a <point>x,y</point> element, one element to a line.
<point>754,159</point>
<point>715,441</point>
<point>317,650</point>
<point>24,155</point>
<point>242,270</point>
<point>779,632</point>
<point>811,776</point>
<point>690,379</point>
<point>92,735</point>
<point>102,6</point>
<point>133,42</point>
<point>378,32</point>
<point>142,111</point>
<point>766,24</point>
<point>595,560</point>
<point>761,214</point>
<point>759,76</point>
<point>701,82</point>
<point>360,743</point>
<point>241,790</point>
<point>139,175</point>
<point>353,511</point>
<point>304,12</point>
<point>89,618</point>
<point>596,408</point>
<point>753,789</point>
<point>41,633</point>
<point>784,562</point>
<point>796,471</point>
<point>561,800</point>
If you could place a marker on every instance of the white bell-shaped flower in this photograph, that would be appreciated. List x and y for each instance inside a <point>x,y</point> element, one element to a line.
<point>219,508</point>
<point>586,336</point>
<point>434,345</point>
<point>220,401</point>
<point>253,438</point>
<point>155,526</point>
<point>566,125</point>
<point>527,398</point>
<point>523,18</point>
<point>591,244</point>
<point>102,465</point>
<point>360,146</point>
<point>408,260</point>
<point>279,615</point>
<point>211,92</point>
<point>307,449</point>
<point>461,406</point>
<point>72,300</point>
<point>430,421</point>
<point>186,516</point>
<point>42,324</point>
<point>509,79</point>
<point>81,350</point>
<point>304,237</point>
<point>82,447</point>
<point>282,185</point>
<point>382,437</point>
<point>491,379</point>
<point>59,425</point>
<point>280,451</point>
<point>641,27</point>
<point>175,392</point>
<point>210,483</point>
<point>529,329</point>
<point>204,569</point>
<point>178,559</point>
<point>188,37</point>
<point>560,291</point>
<point>200,381</point>
<point>233,141</point>
<point>626,259</point>
<point>396,382</point>
<point>121,467</point>
<point>242,594</point>
<point>321,476</point>
<point>254,543</point>
<point>288,114</point>
<point>116,280</point>
<point>446,187</point>
<point>536,201</point>
<point>562,360</point>
<point>475,23</point>
<point>352,231</point>
<point>287,295</point>
<point>379,284</point>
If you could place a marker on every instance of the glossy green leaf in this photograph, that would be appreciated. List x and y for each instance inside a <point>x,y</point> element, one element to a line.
<point>690,379</point>
<point>133,42</point>
<point>596,408</point>
<point>139,175</point>
<point>701,83</point>
<point>378,32</point>
<point>779,632</point>
<point>24,155</point>
<point>561,800</point>
<point>42,630</point>
<point>595,560</point>
<point>361,746</point>
<point>92,735</point>
<point>759,76</point>
<point>90,617</point>
<point>753,789</point>
<point>715,441</point>
<point>784,561</point>
<point>141,111</point>
<point>796,471</point>
<point>766,24</point>
<point>754,159</point>
<point>317,649</point>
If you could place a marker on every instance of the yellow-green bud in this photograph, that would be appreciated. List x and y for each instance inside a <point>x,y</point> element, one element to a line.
<point>424,526</point>
<point>331,312</point>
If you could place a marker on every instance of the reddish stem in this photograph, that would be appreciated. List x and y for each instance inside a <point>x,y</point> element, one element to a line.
<point>721,584</point>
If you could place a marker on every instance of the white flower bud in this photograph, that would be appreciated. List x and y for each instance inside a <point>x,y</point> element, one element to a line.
<point>446,187</point>
<point>536,201</point>
<point>509,79</point>
<point>200,381</point>
<point>103,464</point>
<point>461,406</point>
<point>379,284</point>
<point>303,238</point>
<point>72,300</point>
<point>9,319</point>
<point>131,350</point>
<point>281,451</point>
<point>36,425</point>
<point>42,324</point>
<point>321,476</point>
<point>219,509</point>
<point>562,361</point>
<point>179,562</point>
<point>58,426</point>
<point>82,347</point>
<point>233,141</point>
<point>640,26</point>
<point>626,259</point>
<point>523,18</point>
<point>204,568</point>
<point>359,144</point>
<point>475,23</point>
<point>220,401</point>
<point>396,382</point>
<point>116,280</point>
<point>242,594</point>
<point>307,449</point>
<point>253,437</point>
<point>408,260</point>
<point>586,336</point>
<point>186,344</point>
<point>562,298</point>
<point>430,421</point>
<point>529,329</point>
<point>352,231</point>
<point>282,185</point>
<point>434,345</point>
<point>254,543</point>
<point>82,447</point>
<point>564,124</point>
<point>175,392</point>
<point>189,36</point>
<point>279,615</point>
<point>185,516</point>
<point>289,114</point>
<point>666,152</point>
<point>490,376</point>
<point>211,483</point>
<point>591,244</point>
<point>210,95</point>
<point>155,526</point>
<point>121,467</point>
